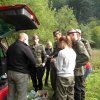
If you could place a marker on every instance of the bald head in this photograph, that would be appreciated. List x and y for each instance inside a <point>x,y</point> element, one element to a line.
<point>23,37</point>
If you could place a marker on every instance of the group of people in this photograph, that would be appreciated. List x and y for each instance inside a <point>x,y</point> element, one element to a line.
<point>65,61</point>
<point>68,68</point>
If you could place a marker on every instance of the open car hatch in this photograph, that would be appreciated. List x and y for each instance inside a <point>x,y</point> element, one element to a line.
<point>19,16</point>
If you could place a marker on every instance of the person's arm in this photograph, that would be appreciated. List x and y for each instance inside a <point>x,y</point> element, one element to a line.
<point>82,56</point>
<point>56,49</point>
<point>43,55</point>
<point>59,62</point>
<point>30,56</point>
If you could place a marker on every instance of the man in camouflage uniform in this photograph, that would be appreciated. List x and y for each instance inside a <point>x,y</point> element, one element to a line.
<point>40,56</point>
<point>81,60</point>
<point>56,49</point>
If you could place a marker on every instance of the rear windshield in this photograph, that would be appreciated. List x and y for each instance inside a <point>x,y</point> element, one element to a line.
<point>5,28</point>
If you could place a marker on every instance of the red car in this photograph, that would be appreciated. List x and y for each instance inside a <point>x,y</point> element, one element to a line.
<point>12,18</point>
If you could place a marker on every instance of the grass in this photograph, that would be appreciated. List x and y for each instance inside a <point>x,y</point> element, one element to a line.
<point>92,81</point>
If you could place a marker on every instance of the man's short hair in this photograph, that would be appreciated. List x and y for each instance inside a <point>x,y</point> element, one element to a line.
<point>35,37</point>
<point>56,32</point>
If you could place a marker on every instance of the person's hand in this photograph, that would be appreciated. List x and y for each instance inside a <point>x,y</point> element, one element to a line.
<point>51,57</point>
<point>43,64</point>
<point>53,60</point>
<point>47,56</point>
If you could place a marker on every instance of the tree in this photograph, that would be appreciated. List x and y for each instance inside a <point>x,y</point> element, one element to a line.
<point>94,26</point>
<point>58,3</point>
<point>86,32</point>
<point>96,36</point>
<point>97,9</point>
<point>82,9</point>
<point>66,19</point>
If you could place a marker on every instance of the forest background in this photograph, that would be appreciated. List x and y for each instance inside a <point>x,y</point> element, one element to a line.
<point>64,15</point>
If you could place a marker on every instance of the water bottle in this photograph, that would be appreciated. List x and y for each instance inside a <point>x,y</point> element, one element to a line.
<point>38,98</point>
<point>31,95</point>
<point>4,76</point>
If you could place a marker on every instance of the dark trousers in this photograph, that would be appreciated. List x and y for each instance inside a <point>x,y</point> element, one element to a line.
<point>36,76</point>
<point>47,67</point>
<point>79,88</point>
<point>53,76</point>
<point>3,66</point>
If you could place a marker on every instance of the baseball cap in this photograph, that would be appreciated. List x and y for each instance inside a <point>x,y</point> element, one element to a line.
<point>71,31</point>
<point>74,31</point>
<point>78,31</point>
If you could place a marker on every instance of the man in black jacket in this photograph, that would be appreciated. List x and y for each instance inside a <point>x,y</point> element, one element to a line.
<point>19,57</point>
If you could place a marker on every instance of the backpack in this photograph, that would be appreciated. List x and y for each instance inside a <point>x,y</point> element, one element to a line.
<point>87,46</point>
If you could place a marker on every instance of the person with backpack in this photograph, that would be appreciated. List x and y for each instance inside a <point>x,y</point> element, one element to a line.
<point>82,59</point>
<point>88,67</point>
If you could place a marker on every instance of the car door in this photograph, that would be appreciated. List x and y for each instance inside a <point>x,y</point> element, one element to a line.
<point>14,18</point>
<point>18,17</point>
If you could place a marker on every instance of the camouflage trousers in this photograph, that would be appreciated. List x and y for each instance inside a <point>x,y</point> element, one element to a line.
<point>65,88</point>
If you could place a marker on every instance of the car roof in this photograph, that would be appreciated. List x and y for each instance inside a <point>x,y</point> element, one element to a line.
<point>20,16</point>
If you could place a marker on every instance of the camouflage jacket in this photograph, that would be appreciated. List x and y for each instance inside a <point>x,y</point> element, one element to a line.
<point>82,57</point>
<point>39,53</point>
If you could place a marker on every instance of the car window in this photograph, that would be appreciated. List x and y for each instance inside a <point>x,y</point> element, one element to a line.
<point>3,49</point>
<point>5,28</point>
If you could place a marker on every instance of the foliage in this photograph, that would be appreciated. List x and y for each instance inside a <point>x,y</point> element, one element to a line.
<point>59,14</point>
<point>63,18</point>
<point>97,9</point>
<point>58,3</point>
<point>86,12</point>
<point>46,17</point>
<point>86,32</point>
<point>66,19</point>
<point>82,9</point>
<point>94,27</point>
<point>96,36</point>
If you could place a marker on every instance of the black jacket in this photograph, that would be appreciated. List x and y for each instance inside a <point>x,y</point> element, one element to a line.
<point>19,57</point>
